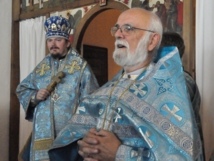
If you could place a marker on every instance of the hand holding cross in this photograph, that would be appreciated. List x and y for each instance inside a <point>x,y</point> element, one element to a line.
<point>55,80</point>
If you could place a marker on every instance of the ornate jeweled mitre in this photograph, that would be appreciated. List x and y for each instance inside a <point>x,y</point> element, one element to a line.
<point>57,26</point>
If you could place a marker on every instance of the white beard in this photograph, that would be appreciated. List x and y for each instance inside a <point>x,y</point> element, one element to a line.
<point>125,58</point>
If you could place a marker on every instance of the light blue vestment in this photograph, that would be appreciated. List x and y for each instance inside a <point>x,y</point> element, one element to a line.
<point>51,115</point>
<point>152,116</point>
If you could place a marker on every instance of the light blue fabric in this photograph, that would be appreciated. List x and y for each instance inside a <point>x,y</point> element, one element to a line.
<point>51,115</point>
<point>152,116</point>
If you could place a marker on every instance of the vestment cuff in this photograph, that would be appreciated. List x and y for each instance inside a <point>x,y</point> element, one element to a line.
<point>33,100</point>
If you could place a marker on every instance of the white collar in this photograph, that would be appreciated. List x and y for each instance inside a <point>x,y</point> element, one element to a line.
<point>133,75</point>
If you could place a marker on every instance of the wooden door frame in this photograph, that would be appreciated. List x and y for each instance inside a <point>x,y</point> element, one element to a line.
<point>189,36</point>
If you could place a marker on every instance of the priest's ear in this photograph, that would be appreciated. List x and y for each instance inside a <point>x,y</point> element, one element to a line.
<point>153,41</point>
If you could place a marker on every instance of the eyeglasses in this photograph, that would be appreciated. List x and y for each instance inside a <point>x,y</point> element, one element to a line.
<point>126,29</point>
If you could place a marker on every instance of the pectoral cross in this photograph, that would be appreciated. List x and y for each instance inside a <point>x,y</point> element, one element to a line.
<point>73,67</point>
<point>43,69</point>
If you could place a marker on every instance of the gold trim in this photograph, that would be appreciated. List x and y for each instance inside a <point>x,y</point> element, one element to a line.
<point>42,144</point>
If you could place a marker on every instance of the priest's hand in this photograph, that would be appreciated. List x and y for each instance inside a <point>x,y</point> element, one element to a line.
<point>99,146</point>
<point>42,94</point>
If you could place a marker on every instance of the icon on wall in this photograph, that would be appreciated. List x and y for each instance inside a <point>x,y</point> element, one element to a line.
<point>103,2</point>
<point>169,11</point>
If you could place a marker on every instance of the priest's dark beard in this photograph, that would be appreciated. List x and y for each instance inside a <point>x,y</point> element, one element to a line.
<point>58,56</point>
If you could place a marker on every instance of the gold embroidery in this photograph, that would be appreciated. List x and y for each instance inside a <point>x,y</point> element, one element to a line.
<point>54,27</point>
<point>73,67</point>
<point>42,144</point>
<point>55,97</point>
<point>43,69</point>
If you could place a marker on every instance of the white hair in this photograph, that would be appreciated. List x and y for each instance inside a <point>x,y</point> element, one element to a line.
<point>126,58</point>
<point>156,26</point>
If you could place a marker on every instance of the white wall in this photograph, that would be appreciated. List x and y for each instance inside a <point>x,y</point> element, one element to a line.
<point>5,54</point>
<point>205,68</point>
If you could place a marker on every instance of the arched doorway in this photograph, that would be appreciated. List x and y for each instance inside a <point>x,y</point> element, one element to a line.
<point>81,27</point>
<point>94,29</point>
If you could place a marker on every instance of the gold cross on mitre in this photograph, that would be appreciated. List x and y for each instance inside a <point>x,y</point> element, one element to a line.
<point>72,67</point>
<point>43,68</point>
